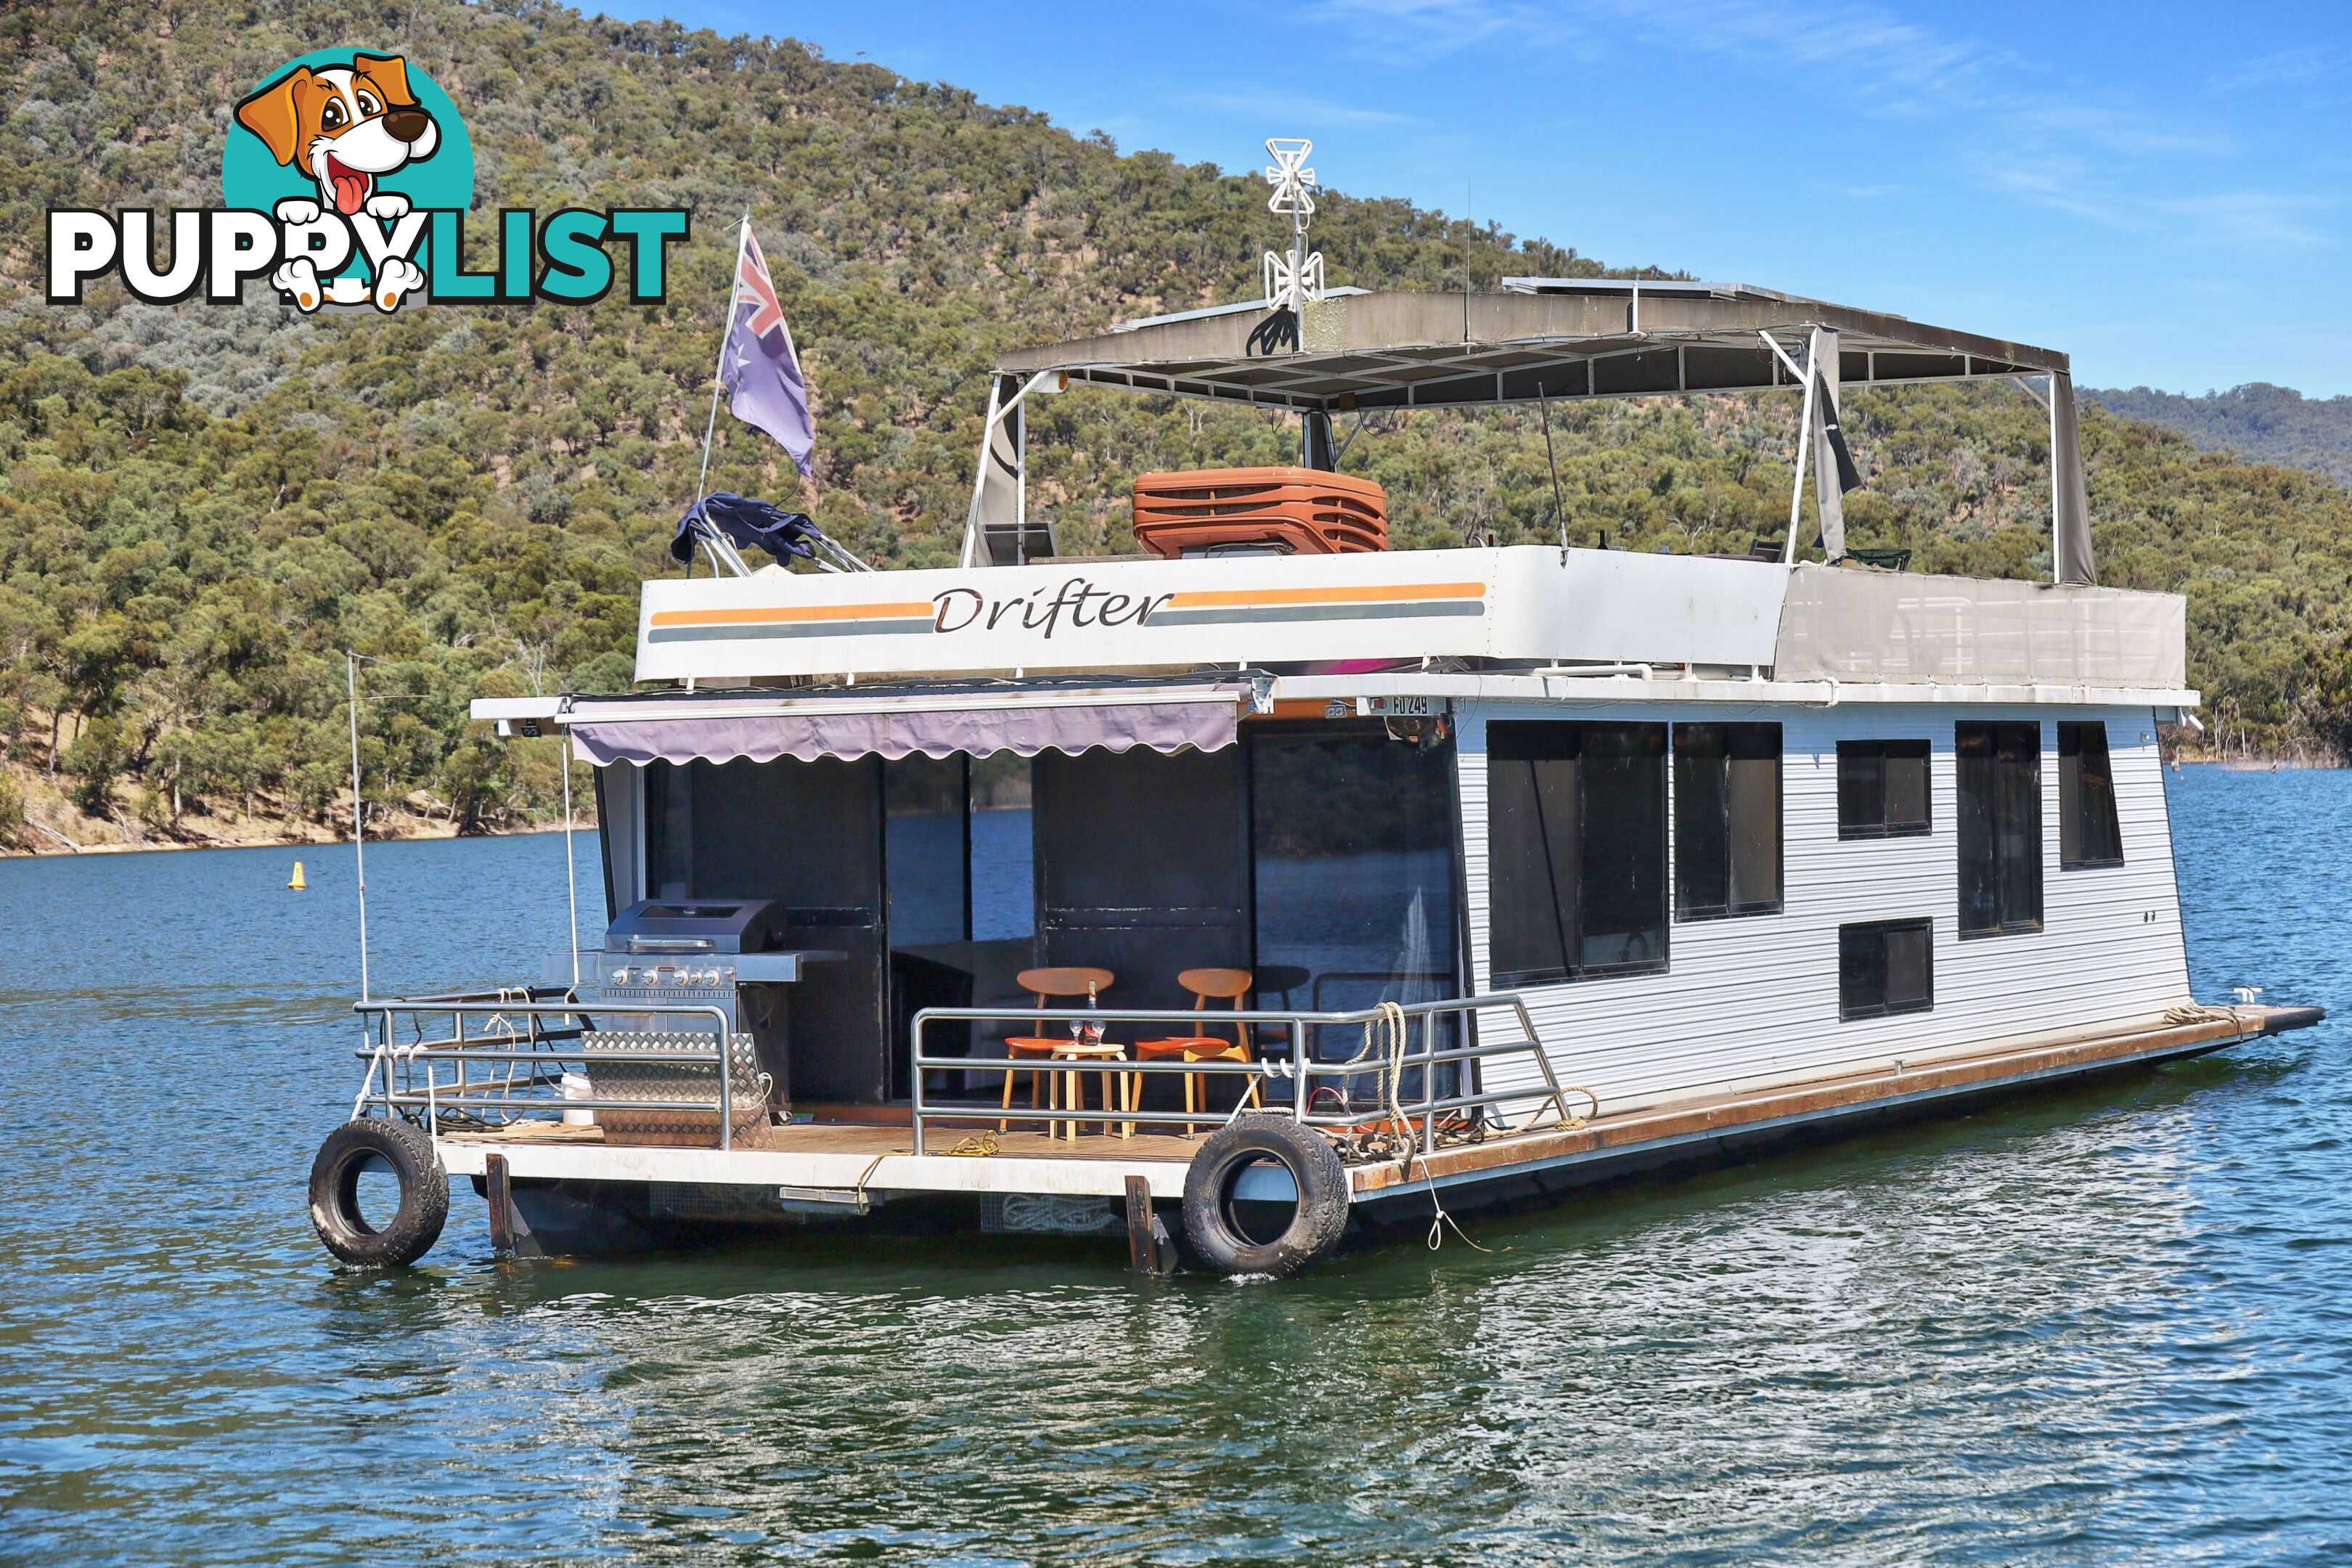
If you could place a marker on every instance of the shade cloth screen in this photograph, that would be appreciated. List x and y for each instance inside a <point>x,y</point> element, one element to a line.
<point>2070,512</point>
<point>975,731</point>
<point>1909,627</point>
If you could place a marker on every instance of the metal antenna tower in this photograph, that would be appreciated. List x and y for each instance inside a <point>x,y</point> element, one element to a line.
<point>1295,280</point>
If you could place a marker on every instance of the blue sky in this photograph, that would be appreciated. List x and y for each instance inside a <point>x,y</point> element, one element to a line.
<point>2162,190</point>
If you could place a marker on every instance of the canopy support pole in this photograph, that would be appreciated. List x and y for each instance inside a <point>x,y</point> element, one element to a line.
<point>1559,513</point>
<point>359,811</point>
<point>974,548</point>
<point>1315,440</point>
<point>1005,416</point>
<point>1797,491</point>
<point>570,865</point>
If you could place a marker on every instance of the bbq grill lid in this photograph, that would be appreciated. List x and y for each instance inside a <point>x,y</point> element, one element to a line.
<point>695,925</point>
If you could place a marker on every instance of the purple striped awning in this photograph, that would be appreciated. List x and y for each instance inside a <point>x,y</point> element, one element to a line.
<point>1203,726</point>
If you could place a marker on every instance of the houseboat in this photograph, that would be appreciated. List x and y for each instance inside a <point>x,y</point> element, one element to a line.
<point>1274,886</point>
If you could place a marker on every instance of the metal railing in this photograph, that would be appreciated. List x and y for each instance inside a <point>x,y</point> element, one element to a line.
<point>523,1057</point>
<point>1300,1070</point>
<point>507,1067</point>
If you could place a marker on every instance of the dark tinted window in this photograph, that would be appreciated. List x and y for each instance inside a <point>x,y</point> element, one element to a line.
<point>924,849</point>
<point>1886,966</point>
<point>810,835</point>
<point>1004,849</point>
<point>616,813</point>
<point>1577,851</point>
<point>1143,866</point>
<point>2088,833</point>
<point>1882,789</point>
<point>1998,769</point>
<point>1726,820</point>
<point>805,833</point>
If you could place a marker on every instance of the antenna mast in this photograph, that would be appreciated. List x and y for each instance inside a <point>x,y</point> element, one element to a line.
<point>1295,281</point>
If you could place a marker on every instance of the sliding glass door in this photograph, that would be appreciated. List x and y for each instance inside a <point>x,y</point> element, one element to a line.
<point>1353,835</point>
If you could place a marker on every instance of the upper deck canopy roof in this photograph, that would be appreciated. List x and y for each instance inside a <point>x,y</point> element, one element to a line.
<point>1570,338</point>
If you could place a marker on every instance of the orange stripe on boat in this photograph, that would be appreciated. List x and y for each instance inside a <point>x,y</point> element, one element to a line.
<point>923,610</point>
<point>1261,597</point>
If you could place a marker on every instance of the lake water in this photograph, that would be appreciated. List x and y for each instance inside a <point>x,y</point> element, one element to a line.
<point>2110,1325</point>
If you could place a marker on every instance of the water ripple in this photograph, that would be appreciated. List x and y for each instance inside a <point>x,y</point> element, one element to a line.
<point>2107,1325</point>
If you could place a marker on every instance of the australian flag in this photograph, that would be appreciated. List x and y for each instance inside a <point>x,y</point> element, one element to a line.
<point>758,368</point>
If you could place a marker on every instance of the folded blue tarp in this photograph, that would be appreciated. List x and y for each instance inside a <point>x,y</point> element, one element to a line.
<point>784,535</point>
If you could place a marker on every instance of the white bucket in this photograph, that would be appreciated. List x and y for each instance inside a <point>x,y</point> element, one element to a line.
<point>577,1086</point>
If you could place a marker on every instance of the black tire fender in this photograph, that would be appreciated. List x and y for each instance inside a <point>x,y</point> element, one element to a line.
<point>335,1212</point>
<point>1315,1167</point>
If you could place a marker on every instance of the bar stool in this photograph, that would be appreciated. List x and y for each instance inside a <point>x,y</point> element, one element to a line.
<point>1228,986</point>
<point>1047,985</point>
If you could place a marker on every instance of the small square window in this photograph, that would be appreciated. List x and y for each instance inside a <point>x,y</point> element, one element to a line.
<point>1882,789</point>
<point>1885,967</point>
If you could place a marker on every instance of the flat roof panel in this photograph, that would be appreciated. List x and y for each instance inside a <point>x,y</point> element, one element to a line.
<point>1362,347</point>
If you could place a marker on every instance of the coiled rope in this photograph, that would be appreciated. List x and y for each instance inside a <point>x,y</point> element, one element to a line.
<point>1387,1030</point>
<point>2201,1013</point>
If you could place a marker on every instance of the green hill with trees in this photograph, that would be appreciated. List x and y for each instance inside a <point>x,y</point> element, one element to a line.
<point>2268,423</point>
<point>202,506</point>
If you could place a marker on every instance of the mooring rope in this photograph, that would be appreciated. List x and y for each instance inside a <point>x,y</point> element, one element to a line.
<point>1389,1029</point>
<point>2203,1013</point>
<point>865,1175</point>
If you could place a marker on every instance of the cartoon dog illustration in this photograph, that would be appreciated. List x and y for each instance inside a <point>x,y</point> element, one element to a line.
<point>344,126</point>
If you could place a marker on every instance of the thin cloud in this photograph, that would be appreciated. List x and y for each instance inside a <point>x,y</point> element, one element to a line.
<point>1446,26</point>
<point>1298,110</point>
<point>2125,130</point>
<point>2061,184</point>
<point>1891,50</point>
<point>2297,66</point>
<point>2084,149</point>
<point>2257,219</point>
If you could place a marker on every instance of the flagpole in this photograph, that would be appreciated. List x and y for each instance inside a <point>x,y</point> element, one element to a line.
<point>718,371</point>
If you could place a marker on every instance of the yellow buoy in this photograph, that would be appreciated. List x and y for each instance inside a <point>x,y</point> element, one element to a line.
<point>298,884</point>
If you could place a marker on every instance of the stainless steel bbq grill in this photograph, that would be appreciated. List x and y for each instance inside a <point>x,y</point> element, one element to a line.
<point>725,953</point>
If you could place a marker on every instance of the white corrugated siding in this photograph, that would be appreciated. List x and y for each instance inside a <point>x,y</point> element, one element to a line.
<point>1755,998</point>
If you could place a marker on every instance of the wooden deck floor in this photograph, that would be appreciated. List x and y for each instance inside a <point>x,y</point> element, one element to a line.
<point>1815,1100</point>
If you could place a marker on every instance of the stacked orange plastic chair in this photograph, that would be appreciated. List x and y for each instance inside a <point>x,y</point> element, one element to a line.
<point>1304,511</point>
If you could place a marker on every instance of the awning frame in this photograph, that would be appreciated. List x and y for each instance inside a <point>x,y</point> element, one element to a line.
<point>979,722</point>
